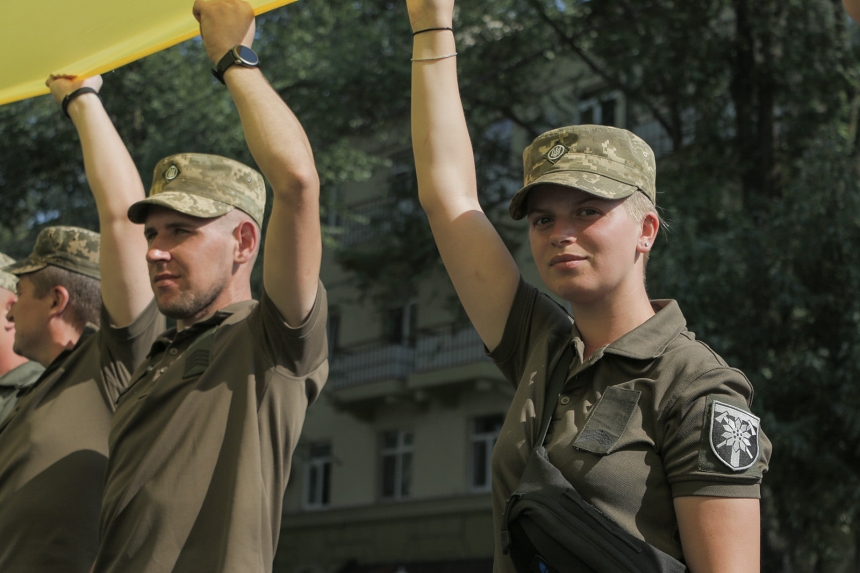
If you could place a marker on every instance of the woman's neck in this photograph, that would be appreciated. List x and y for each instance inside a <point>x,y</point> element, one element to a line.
<point>602,323</point>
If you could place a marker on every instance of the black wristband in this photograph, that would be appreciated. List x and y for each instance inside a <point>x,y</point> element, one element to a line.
<point>78,92</point>
<point>431,30</point>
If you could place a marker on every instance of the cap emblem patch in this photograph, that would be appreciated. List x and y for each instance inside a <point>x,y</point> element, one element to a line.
<point>171,173</point>
<point>557,152</point>
<point>734,436</point>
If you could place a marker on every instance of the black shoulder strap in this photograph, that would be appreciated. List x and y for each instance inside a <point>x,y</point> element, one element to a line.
<point>553,390</point>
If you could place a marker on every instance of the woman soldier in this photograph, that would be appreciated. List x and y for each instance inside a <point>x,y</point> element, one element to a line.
<point>652,427</point>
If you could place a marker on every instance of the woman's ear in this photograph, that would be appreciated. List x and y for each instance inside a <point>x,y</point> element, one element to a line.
<point>648,234</point>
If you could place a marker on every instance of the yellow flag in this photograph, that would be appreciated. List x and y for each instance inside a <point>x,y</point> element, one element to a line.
<point>87,37</point>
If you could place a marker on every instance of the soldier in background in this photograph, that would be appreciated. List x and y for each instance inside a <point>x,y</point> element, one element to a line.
<point>202,441</point>
<point>16,372</point>
<point>54,443</point>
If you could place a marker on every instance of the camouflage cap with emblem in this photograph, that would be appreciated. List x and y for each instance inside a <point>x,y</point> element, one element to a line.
<point>604,161</point>
<point>7,280</point>
<point>70,248</point>
<point>204,186</point>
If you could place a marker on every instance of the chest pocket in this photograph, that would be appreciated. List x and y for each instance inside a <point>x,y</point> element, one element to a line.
<point>199,354</point>
<point>607,421</point>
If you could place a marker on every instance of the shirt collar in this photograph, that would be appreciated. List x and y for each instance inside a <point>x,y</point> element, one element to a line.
<point>651,338</point>
<point>171,335</point>
<point>22,376</point>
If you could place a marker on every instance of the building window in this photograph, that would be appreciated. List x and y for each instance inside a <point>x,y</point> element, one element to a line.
<point>600,110</point>
<point>401,324</point>
<point>318,476</point>
<point>485,432</point>
<point>396,464</point>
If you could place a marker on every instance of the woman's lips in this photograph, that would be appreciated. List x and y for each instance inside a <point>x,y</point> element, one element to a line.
<point>566,260</point>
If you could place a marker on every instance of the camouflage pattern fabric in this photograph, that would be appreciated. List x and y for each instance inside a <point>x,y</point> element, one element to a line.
<point>605,161</point>
<point>7,280</point>
<point>70,248</point>
<point>203,186</point>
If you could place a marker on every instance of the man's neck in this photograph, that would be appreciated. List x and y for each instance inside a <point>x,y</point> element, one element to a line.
<point>60,341</point>
<point>226,298</point>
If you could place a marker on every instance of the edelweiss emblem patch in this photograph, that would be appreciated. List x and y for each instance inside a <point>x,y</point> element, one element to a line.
<point>734,436</point>
<point>171,173</point>
<point>557,152</point>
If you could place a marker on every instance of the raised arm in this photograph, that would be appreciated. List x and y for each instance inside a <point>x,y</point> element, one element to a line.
<point>115,184</point>
<point>291,262</point>
<point>720,534</point>
<point>483,271</point>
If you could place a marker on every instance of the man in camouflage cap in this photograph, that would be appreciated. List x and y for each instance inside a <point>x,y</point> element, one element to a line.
<point>221,399</point>
<point>16,372</point>
<point>89,328</point>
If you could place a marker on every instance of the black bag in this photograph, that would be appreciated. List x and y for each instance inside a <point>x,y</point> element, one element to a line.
<point>548,527</point>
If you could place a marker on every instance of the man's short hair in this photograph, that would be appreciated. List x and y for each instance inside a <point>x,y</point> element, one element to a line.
<point>85,300</point>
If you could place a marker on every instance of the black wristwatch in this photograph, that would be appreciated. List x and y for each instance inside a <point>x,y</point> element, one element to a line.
<point>241,55</point>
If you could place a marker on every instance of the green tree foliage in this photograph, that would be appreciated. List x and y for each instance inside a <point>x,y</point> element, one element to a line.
<point>758,99</point>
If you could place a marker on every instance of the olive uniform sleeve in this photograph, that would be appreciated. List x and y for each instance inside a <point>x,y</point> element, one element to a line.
<point>532,314</point>
<point>121,350</point>
<point>301,352</point>
<point>713,445</point>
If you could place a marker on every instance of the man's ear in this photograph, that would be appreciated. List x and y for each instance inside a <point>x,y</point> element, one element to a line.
<point>247,237</point>
<point>59,300</point>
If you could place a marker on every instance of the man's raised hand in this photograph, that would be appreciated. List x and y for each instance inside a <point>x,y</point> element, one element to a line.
<point>224,24</point>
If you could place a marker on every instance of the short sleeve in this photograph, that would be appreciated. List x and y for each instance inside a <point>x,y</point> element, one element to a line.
<point>532,315</point>
<point>713,444</point>
<point>121,350</point>
<point>303,350</point>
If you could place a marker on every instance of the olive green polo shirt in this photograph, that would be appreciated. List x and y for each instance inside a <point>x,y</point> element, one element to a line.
<point>201,443</point>
<point>632,428</point>
<point>54,445</point>
<point>14,381</point>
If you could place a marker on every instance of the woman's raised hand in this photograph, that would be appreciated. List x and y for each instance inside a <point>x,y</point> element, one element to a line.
<point>425,14</point>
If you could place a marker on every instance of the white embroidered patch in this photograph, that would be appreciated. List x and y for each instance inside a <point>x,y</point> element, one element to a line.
<point>557,152</point>
<point>734,436</point>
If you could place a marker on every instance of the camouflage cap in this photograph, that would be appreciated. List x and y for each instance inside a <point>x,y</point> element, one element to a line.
<point>69,248</point>
<point>604,161</point>
<point>203,186</point>
<point>7,280</point>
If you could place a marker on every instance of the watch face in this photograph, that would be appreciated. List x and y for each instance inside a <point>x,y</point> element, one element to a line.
<point>247,56</point>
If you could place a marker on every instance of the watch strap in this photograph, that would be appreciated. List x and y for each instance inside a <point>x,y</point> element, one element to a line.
<point>229,59</point>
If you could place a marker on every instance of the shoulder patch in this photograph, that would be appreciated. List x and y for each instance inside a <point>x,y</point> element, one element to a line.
<point>734,436</point>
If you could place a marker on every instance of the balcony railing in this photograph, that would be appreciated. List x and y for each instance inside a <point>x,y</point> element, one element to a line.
<point>370,362</point>
<point>448,346</point>
<point>437,348</point>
